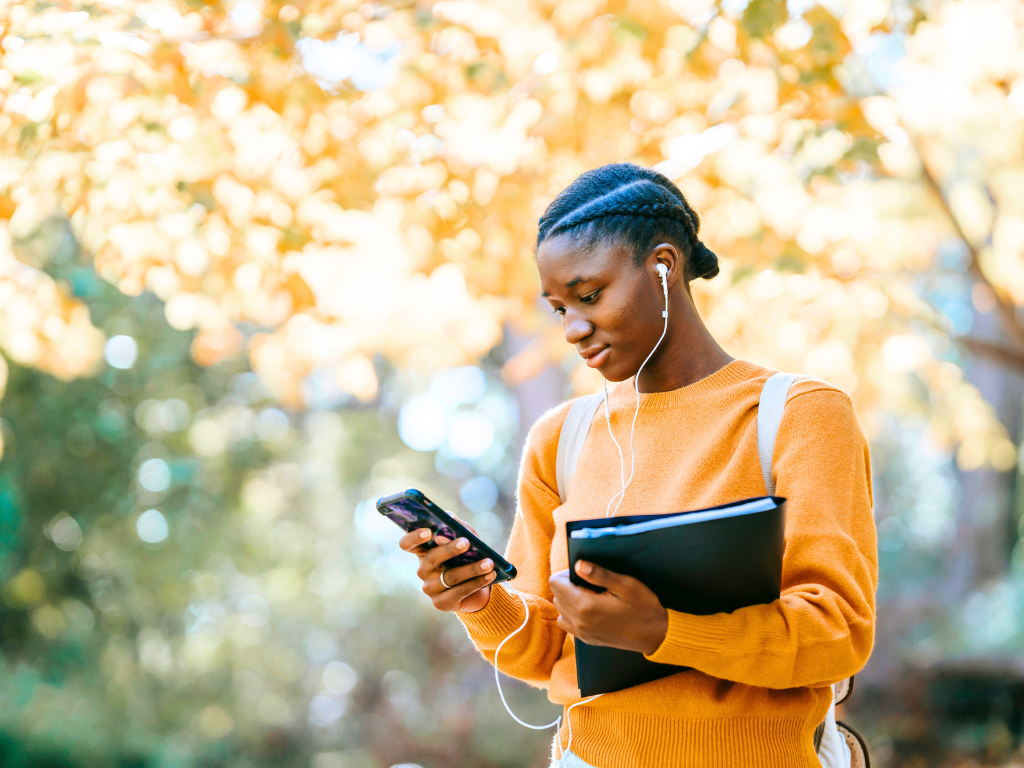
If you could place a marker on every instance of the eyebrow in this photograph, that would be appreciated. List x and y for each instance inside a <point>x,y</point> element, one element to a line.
<point>575,281</point>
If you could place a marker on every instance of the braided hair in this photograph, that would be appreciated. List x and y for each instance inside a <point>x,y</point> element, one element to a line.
<point>632,205</point>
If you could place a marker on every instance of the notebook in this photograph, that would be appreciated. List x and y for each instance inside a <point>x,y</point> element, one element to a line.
<point>701,562</point>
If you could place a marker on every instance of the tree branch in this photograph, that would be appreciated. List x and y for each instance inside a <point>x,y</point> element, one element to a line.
<point>997,353</point>
<point>1007,309</point>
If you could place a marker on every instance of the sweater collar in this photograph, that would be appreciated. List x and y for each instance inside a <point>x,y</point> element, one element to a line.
<point>622,395</point>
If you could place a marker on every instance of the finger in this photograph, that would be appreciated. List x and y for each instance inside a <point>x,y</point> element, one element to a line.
<point>566,614</point>
<point>470,527</point>
<point>571,601</point>
<point>457,576</point>
<point>467,572</point>
<point>602,577</point>
<point>445,539</point>
<point>559,605</point>
<point>413,540</point>
<point>440,554</point>
<point>565,626</point>
<point>453,597</point>
<point>561,586</point>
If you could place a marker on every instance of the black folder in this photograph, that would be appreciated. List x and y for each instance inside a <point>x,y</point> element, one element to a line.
<point>716,565</point>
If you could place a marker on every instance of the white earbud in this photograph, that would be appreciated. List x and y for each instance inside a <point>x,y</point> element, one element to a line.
<point>663,271</point>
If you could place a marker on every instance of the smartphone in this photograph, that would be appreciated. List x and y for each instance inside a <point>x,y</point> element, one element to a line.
<point>410,510</point>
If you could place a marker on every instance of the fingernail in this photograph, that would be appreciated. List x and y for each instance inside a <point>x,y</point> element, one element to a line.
<point>583,567</point>
<point>490,576</point>
<point>424,534</point>
<point>462,543</point>
<point>486,565</point>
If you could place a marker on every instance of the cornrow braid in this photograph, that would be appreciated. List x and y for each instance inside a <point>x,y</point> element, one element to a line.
<point>636,206</point>
<point>647,210</point>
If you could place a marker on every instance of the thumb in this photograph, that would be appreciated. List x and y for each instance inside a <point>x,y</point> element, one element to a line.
<point>470,527</point>
<point>444,539</point>
<point>600,577</point>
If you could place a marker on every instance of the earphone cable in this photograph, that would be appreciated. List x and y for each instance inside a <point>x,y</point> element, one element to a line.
<point>622,461</point>
<point>497,679</point>
<point>620,495</point>
<point>636,386</point>
<point>557,722</point>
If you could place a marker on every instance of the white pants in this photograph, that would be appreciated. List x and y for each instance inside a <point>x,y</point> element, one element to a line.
<point>834,752</point>
<point>571,761</point>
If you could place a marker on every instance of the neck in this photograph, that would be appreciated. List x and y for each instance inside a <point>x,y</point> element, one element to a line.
<point>688,352</point>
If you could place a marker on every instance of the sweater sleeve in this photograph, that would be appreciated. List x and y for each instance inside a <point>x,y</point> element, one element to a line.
<point>530,655</point>
<point>821,629</point>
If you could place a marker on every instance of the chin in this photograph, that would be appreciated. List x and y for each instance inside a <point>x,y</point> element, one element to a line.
<point>615,373</point>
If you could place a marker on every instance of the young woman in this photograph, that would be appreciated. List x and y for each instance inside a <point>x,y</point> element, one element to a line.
<point>758,679</point>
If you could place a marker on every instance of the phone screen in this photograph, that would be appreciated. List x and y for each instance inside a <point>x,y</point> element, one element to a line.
<point>412,510</point>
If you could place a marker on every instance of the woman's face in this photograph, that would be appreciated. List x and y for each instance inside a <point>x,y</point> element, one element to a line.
<point>610,308</point>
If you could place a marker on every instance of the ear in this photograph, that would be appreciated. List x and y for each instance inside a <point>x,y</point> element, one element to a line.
<point>667,254</point>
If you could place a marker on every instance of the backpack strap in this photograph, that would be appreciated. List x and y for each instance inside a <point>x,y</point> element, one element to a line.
<point>581,414</point>
<point>769,416</point>
<point>571,440</point>
<point>835,749</point>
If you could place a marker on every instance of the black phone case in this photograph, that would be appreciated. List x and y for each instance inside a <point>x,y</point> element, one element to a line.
<point>410,510</point>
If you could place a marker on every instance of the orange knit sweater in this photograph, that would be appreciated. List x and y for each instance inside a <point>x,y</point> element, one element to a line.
<point>760,675</point>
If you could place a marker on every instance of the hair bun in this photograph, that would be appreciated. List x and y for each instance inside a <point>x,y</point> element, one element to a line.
<point>705,262</point>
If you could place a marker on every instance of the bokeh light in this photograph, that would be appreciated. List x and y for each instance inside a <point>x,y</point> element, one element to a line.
<point>152,527</point>
<point>121,351</point>
<point>422,423</point>
<point>479,494</point>
<point>154,475</point>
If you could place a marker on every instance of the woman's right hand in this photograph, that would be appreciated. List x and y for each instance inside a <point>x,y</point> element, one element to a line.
<point>469,592</point>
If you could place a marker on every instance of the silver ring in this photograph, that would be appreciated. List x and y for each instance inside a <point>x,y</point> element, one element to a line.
<point>446,584</point>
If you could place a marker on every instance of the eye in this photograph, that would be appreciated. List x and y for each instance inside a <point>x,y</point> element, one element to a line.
<point>559,311</point>
<point>590,298</point>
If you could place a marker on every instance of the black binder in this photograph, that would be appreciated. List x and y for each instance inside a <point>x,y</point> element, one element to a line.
<point>712,566</point>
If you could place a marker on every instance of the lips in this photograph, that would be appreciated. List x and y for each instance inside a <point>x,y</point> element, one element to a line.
<point>595,357</point>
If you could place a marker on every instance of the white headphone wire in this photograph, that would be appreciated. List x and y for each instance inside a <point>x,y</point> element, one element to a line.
<point>622,461</point>
<point>497,679</point>
<point>621,494</point>
<point>557,722</point>
<point>636,386</point>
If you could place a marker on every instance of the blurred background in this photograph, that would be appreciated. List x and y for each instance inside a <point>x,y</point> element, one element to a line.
<point>263,262</point>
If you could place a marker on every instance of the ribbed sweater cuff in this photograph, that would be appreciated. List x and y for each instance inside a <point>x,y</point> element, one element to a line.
<point>689,637</point>
<point>502,615</point>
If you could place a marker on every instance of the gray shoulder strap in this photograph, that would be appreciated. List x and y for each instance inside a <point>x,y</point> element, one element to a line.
<point>581,414</point>
<point>571,439</point>
<point>769,416</point>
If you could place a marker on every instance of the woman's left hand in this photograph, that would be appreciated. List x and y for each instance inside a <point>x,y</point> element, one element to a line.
<point>626,615</point>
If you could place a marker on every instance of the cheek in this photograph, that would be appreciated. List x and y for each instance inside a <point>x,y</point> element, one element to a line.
<point>616,315</point>
<point>634,332</point>
<point>622,319</point>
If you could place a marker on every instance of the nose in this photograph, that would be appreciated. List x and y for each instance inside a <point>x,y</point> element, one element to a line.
<point>576,327</point>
